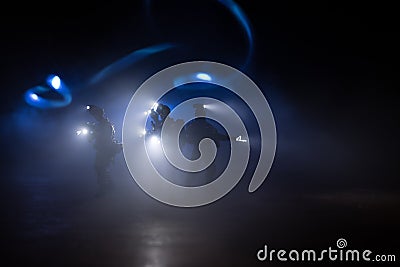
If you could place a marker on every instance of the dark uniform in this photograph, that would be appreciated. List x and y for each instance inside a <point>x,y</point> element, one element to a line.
<point>102,136</point>
<point>158,117</point>
<point>195,132</point>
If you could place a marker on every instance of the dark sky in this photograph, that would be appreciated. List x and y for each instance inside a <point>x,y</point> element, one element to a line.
<point>328,71</point>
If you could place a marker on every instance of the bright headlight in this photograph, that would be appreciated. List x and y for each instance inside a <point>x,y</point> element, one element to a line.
<point>83,131</point>
<point>155,140</point>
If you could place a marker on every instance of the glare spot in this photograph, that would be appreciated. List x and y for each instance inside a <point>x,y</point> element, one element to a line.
<point>85,131</point>
<point>155,140</point>
<point>87,107</point>
<point>204,76</point>
<point>56,82</point>
<point>155,106</point>
<point>34,96</point>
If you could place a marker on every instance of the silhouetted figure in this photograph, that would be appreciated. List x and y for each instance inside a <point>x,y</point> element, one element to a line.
<point>158,115</point>
<point>195,132</point>
<point>102,135</point>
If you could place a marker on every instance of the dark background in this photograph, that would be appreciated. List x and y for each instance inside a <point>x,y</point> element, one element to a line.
<point>328,71</point>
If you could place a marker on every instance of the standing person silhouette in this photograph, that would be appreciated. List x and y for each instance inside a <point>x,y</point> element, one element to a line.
<point>196,131</point>
<point>158,115</point>
<point>102,135</point>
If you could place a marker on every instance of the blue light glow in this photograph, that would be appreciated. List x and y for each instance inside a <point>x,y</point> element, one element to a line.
<point>244,21</point>
<point>130,59</point>
<point>203,76</point>
<point>53,83</point>
<point>240,16</point>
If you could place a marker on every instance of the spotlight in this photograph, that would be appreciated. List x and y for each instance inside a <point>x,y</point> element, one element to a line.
<point>87,107</point>
<point>83,131</point>
<point>55,82</point>
<point>203,76</point>
<point>154,140</point>
<point>34,96</point>
<point>52,83</point>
